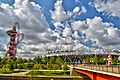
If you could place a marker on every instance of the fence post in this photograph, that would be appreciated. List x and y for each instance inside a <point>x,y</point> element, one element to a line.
<point>102,68</point>
<point>96,67</point>
<point>118,69</point>
<point>99,68</point>
<point>112,68</point>
<point>107,68</point>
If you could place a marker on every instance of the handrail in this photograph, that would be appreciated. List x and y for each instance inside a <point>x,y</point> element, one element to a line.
<point>104,68</point>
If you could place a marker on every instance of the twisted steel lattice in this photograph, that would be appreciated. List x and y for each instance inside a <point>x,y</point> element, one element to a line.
<point>15,38</point>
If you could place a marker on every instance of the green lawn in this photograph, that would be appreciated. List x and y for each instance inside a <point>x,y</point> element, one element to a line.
<point>49,73</point>
<point>10,71</point>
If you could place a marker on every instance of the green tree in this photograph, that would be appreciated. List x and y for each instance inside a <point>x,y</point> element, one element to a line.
<point>65,67</point>
<point>25,66</point>
<point>37,66</point>
<point>57,67</point>
<point>37,60</point>
<point>30,65</point>
<point>58,60</point>
<point>44,66</point>
<point>15,66</point>
<point>14,59</point>
<point>10,62</point>
<point>20,66</point>
<point>6,67</point>
<point>52,60</point>
<point>44,60</point>
<point>0,60</point>
<point>49,66</point>
<point>24,61</point>
<point>95,60</point>
<point>19,60</point>
<point>115,60</point>
<point>29,60</point>
<point>101,60</point>
<point>3,61</point>
<point>87,60</point>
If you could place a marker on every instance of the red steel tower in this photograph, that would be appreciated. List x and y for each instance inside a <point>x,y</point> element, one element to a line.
<point>15,38</point>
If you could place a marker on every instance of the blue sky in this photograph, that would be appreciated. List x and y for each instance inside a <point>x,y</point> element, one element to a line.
<point>82,24</point>
<point>69,5</point>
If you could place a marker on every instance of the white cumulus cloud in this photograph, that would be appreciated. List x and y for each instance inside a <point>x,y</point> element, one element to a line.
<point>103,33</point>
<point>76,10</point>
<point>32,23</point>
<point>59,15</point>
<point>67,32</point>
<point>79,25</point>
<point>108,6</point>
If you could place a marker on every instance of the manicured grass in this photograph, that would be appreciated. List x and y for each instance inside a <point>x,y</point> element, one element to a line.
<point>6,71</point>
<point>49,73</point>
<point>10,71</point>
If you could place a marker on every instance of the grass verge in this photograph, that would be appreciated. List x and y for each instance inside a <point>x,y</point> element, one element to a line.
<point>49,73</point>
<point>10,71</point>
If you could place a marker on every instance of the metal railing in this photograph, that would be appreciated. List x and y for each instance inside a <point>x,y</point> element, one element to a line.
<point>104,68</point>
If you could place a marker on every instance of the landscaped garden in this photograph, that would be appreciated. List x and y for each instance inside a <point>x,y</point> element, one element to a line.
<point>13,65</point>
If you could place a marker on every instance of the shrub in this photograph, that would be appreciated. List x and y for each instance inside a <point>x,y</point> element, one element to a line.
<point>50,66</point>
<point>15,66</point>
<point>57,67</point>
<point>6,67</point>
<point>58,60</point>
<point>29,66</point>
<point>20,66</point>
<point>65,67</point>
<point>37,66</point>
<point>44,66</point>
